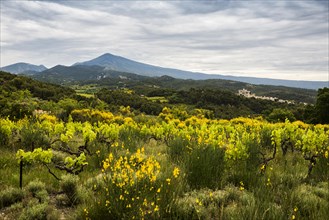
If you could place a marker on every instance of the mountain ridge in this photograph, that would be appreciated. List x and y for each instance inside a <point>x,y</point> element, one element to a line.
<point>122,64</point>
<point>21,68</point>
<point>110,62</point>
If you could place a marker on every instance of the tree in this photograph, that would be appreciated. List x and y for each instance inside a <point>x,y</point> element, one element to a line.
<point>280,115</point>
<point>322,106</point>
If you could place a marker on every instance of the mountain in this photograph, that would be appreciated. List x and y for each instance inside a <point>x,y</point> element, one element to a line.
<point>27,68</point>
<point>72,74</point>
<point>121,64</point>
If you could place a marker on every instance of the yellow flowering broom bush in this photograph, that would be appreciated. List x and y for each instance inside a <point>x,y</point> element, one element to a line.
<point>135,186</point>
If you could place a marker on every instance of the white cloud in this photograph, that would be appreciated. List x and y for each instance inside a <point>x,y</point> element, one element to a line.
<point>273,39</point>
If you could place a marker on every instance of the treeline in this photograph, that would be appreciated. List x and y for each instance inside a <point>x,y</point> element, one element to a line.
<point>145,85</point>
<point>129,98</point>
<point>222,104</point>
<point>20,96</point>
<point>46,91</point>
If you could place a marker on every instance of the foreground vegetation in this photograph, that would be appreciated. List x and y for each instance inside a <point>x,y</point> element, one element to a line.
<point>176,165</point>
<point>96,157</point>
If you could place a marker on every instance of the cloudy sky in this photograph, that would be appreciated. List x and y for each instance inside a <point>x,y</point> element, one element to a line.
<point>269,38</point>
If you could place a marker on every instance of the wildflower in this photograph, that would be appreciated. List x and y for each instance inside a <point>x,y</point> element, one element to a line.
<point>176,172</point>
<point>295,209</point>
<point>168,181</point>
<point>110,157</point>
<point>198,202</point>
<point>156,209</point>
<point>106,165</point>
<point>159,190</point>
<point>241,186</point>
<point>145,202</point>
<point>262,168</point>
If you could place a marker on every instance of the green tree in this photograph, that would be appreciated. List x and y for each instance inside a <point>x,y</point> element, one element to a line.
<point>322,106</point>
<point>280,115</point>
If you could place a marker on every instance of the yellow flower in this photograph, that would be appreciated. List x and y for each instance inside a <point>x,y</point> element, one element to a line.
<point>168,181</point>
<point>262,168</point>
<point>106,165</point>
<point>156,209</point>
<point>198,202</point>
<point>241,186</point>
<point>176,172</point>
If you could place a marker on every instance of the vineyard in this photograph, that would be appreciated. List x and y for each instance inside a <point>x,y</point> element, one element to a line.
<point>101,165</point>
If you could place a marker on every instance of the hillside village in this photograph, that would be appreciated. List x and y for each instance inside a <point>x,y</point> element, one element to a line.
<point>246,93</point>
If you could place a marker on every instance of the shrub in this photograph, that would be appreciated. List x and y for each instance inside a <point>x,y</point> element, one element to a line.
<point>34,211</point>
<point>321,169</point>
<point>204,167</point>
<point>69,185</point>
<point>10,196</point>
<point>177,148</point>
<point>312,201</point>
<point>35,186</point>
<point>134,186</point>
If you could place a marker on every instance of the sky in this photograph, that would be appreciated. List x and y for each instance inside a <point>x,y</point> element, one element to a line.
<point>281,39</point>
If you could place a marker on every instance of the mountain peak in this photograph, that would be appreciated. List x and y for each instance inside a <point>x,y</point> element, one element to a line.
<point>107,55</point>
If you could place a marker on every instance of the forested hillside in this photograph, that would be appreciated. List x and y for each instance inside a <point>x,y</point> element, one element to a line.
<point>147,95</point>
<point>153,152</point>
<point>142,84</point>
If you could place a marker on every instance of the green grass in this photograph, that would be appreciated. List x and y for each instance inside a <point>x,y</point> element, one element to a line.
<point>160,99</point>
<point>86,95</point>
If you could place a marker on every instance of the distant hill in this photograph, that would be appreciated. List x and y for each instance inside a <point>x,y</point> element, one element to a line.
<point>104,77</point>
<point>24,68</point>
<point>121,64</point>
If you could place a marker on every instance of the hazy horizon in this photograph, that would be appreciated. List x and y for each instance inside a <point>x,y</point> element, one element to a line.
<point>273,39</point>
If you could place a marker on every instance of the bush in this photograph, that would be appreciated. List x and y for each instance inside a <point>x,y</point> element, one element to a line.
<point>177,148</point>
<point>200,204</point>
<point>133,185</point>
<point>230,202</point>
<point>34,211</point>
<point>69,185</point>
<point>321,169</point>
<point>204,167</point>
<point>35,186</point>
<point>10,196</point>
<point>312,201</point>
